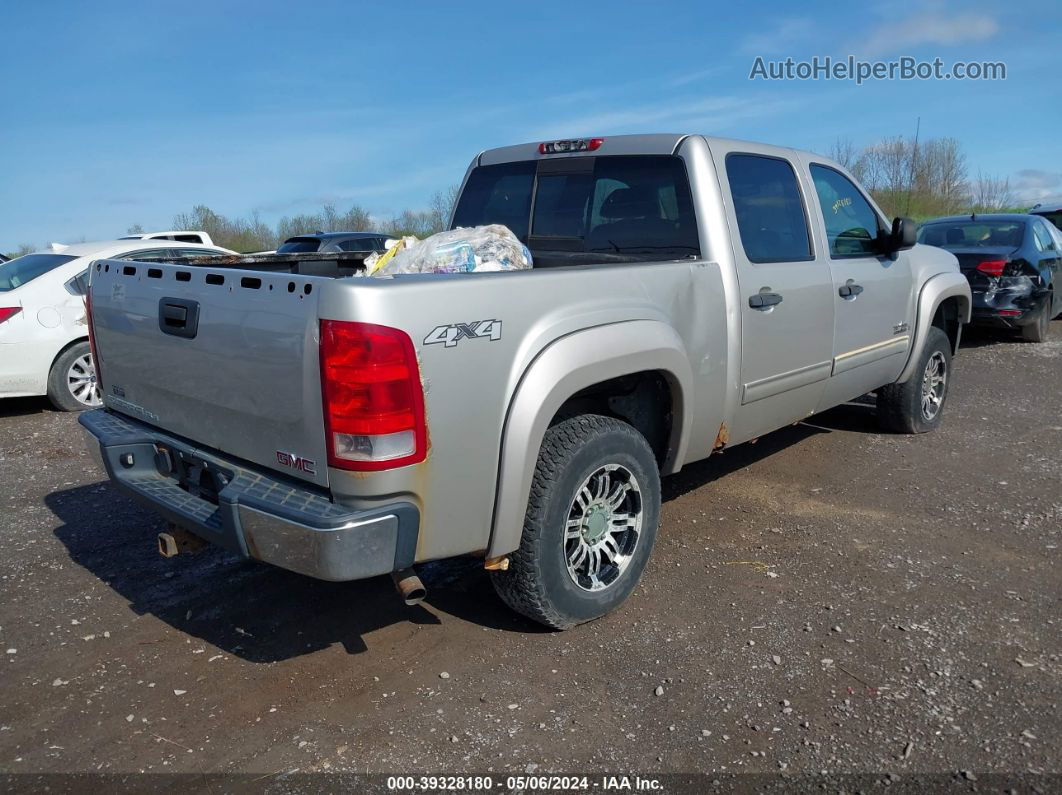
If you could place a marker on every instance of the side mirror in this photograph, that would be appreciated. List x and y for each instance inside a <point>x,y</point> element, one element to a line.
<point>904,234</point>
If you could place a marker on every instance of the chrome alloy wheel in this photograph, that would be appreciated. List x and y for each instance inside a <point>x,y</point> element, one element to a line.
<point>603,527</point>
<point>934,385</point>
<point>81,381</point>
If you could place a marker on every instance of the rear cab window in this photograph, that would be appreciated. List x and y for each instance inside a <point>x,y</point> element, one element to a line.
<point>583,210</point>
<point>22,270</point>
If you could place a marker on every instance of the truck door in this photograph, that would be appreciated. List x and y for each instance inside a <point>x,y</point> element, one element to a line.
<point>872,292</point>
<point>785,300</point>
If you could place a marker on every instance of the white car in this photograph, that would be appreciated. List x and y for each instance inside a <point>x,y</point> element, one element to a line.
<point>180,235</point>
<point>44,347</point>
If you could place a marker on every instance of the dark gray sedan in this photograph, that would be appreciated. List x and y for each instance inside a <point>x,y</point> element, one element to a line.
<point>333,241</point>
<point>1013,264</point>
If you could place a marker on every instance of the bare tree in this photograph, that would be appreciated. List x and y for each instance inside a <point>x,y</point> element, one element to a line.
<point>135,229</point>
<point>846,153</point>
<point>330,219</point>
<point>23,250</point>
<point>442,207</point>
<point>939,184</point>
<point>991,194</point>
<point>357,219</point>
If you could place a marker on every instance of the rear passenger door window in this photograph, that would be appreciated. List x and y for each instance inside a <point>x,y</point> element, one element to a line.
<point>1044,242</point>
<point>79,284</point>
<point>852,226</point>
<point>359,244</point>
<point>770,212</point>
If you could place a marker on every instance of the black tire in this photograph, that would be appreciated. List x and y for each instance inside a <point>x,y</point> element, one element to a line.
<point>60,387</point>
<point>538,583</point>
<point>1041,329</point>
<point>900,406</point>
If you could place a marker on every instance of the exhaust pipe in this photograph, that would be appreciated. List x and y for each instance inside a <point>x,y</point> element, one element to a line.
<point>167,545</point>
<point>409,586</point>
<point>178,540</point>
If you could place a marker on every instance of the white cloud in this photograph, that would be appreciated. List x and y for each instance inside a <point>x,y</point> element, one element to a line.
<point>696,76</point>
<point>710,114</point>
<point>939,28</point>
<point>1037,185</point>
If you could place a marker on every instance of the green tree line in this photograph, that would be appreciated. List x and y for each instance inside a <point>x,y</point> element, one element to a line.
<point>253,234</point>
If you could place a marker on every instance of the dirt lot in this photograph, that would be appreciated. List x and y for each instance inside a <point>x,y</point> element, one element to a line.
<point>829,599</point>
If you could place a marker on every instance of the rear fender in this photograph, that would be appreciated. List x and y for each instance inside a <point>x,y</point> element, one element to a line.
<point>567,366</point>
<point>934,292</point>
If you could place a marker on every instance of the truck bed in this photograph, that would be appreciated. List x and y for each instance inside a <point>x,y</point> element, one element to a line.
<point>248,384</point>
<point>335,264</point>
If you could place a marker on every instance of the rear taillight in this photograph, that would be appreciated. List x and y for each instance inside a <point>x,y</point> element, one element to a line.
<point>96,365</point>
<point>993,268</point>
<point>8,312</point>
<point>373,398</point>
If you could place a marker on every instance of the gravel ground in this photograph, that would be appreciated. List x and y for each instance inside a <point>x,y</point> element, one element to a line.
<point>829,599</point>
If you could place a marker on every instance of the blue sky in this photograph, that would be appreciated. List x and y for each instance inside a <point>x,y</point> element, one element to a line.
<point>119,113</point>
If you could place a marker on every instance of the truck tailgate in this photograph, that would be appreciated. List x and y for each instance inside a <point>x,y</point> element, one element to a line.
<point>225,358</point>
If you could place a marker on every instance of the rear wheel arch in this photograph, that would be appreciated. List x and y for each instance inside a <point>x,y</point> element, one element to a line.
<point>645,400</point>
<point>65,348</point>
<point>572,376</point>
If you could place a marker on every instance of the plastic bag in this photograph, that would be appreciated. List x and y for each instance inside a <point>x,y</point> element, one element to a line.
<point>461,250</point>
<point>375,261</point>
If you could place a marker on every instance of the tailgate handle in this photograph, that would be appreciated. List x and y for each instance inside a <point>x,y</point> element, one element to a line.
<point>179,317</point>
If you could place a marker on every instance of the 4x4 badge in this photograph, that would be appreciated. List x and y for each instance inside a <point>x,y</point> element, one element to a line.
<point>452,334</point>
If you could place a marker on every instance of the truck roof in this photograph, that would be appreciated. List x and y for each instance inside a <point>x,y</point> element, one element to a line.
<point>646,144</point>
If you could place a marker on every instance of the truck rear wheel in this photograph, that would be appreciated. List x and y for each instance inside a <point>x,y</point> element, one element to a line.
<point>917,405</point>
<point>590,525</point>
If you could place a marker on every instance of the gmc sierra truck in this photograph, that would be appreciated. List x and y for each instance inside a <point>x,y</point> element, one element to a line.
<point>688,294</point>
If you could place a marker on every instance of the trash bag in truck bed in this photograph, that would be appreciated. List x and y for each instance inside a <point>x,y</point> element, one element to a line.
<point>461,250</point>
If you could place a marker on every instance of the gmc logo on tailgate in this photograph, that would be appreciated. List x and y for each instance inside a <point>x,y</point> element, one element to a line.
<point>292,461</point>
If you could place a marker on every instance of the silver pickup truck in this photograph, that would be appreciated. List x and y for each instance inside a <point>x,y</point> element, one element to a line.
<point>688,294</point>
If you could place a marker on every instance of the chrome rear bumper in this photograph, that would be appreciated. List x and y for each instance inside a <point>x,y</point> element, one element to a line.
<point>248,511</point>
